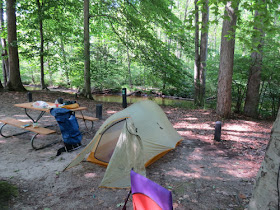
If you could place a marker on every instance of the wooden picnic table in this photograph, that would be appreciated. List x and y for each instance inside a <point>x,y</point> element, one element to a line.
<point>38,130</point>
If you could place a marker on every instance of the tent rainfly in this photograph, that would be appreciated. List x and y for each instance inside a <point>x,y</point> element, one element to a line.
<point>132,138</point>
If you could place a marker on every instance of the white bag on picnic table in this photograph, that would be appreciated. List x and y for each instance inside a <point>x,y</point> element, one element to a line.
<point>41,104</point>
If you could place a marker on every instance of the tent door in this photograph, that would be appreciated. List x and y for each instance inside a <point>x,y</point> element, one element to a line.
<point>108,141</point>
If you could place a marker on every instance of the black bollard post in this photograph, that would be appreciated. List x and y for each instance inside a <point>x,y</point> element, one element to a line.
<point>29,96</point>
<point>124,102</point>
<point>60,100</point>
<point>218,131</point>
<point>99,111</point>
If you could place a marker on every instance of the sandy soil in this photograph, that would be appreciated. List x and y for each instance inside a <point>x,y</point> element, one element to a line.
<point>200,173</point>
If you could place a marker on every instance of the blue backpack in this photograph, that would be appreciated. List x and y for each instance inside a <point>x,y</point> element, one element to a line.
<point>68,124</point>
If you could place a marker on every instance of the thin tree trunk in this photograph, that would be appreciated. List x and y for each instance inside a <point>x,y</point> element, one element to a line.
<point>186,10</point>
<point>223,107</point>
<point>203,51</point>
<point>197,56</point>
<point>64,61</point>
<point>201,54</point>
<point>128,67</point>
<point>5,61</point>
<point>87,88</point>
<point>215,38</point>
<point>14,82</point>
<point>254,79</point>
<point>185,17</point>
<point>40,16</point>
<point>49,68</point>
<point>262,93</point>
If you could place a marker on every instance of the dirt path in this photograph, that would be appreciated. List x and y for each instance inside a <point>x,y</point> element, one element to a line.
<point>201,173</point>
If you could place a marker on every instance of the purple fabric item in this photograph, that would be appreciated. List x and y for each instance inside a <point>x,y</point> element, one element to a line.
<point>143,185</point>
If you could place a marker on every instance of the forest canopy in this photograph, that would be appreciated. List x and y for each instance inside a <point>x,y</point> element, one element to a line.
<point>169,46</point>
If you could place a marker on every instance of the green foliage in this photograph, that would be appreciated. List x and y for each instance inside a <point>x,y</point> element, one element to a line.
<point>7,191</point>
<point>239,80</point>
<point>158,36</point>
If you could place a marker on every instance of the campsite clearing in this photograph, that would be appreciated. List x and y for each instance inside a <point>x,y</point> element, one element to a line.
<point>200,173</point>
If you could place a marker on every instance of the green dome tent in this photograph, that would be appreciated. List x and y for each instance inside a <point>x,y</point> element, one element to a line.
<point>132,138</point>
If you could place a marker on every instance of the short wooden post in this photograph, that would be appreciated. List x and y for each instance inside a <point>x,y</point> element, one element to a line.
<point>60,100</point>
<point>124,102</point>
<point>29,96</point>
<point>99,111</point>
<point>218,131</point>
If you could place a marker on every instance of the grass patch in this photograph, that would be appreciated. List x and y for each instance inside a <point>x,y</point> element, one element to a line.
<point>7,191</point>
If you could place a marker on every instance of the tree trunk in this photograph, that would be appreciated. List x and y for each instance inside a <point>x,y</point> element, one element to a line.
<point>201,54</point>
<point>128,67</point>
<point>87,89</point>
<point>180,48</point>
<point>226,61</point>
<point>265,194</point>
<point>5,61</point>
<point>40,16</point>
<point>64,61</point>
<point>14,82</point>
<point>1,86</point>
<point>197,57</point>
<point>186,10</point>
<point>254,79</point>
<point>49,68</point>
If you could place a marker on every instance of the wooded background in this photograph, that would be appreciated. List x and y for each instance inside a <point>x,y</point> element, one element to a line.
<point>226,50</point>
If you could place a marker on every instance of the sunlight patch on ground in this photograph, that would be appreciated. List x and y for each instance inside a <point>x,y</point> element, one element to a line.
<point>196,154</point>
<point>190,118</point>
<point>237,169</point>
<point>184,133</point>
<point>90,175</point>
<point>235,127</point>
<point>196,174</point>
<point>3,141</point>
<point>187,125</point>
<point>111,112</point>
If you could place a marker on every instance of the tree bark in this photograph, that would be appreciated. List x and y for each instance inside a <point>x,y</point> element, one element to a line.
<point>14,82</point>
<point>201,54</point>
<point>223,107</point>
<point>265,194</point>
<point>64,61</point>
<point>87,89</point>
<point>40,17</point>
<point>128,67</point>
<point>128,63</point>
<point>197,57</point>
<point>5,61</point>
<point>1,86</point>
<point>254,79</point>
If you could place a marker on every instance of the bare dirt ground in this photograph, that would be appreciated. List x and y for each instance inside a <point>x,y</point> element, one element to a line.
<point>200,173</point>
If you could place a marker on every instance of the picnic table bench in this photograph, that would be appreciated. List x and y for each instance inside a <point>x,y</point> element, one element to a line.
<point>28,127</point>
<point>88,118</point>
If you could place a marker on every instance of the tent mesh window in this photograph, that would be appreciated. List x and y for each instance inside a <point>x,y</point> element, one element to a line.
<point>108,141</point>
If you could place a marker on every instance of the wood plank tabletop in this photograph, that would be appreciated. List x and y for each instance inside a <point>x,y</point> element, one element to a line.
<point>29,105</point>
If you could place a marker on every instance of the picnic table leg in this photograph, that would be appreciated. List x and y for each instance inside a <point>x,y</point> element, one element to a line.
<point>42,147</point>
<point>86,123</point>
<point>38,118</point>
<point>1,133</point>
